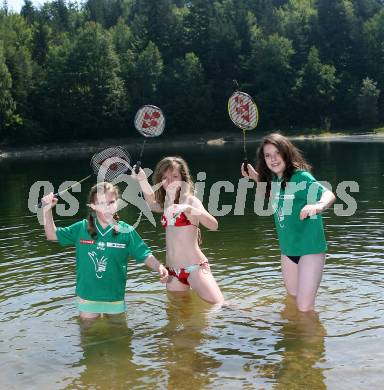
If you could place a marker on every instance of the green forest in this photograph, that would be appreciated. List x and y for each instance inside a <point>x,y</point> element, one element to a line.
<point>77,72</point>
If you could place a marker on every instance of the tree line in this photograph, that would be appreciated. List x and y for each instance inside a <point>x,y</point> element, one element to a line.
<point>70,71</point>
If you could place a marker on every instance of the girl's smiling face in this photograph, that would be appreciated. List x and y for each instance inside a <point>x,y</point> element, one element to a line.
<point>105,207</point>
<point>274,160</point>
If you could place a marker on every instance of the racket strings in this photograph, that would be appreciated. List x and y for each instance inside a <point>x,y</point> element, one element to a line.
<point>243,111</point>
<point>244,114</point>
<point>111,163</point>
<point>150,122</point>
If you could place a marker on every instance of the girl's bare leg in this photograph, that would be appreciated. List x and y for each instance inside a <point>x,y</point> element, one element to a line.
<point>89,316</point>
<point>290,272</point>
<point>203,282</point>
<point>309,278</point>
<point>174,285</point>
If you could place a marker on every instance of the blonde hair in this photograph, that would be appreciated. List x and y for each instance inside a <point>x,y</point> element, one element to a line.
<point>101,188</point>
<point>163,166</point>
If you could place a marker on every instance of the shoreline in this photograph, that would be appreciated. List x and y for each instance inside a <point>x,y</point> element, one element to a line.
<point>85,148</point>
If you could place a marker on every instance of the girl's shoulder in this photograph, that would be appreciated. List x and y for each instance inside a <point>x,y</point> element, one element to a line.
<point>76,227</point>
<point>125,227</point>
<point>302,175</point>
<point>83,223</point>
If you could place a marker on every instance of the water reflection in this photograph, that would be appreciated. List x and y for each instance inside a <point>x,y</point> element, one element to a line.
<point>302,347</point>
<point>107,357</point>
<point>186,365</point>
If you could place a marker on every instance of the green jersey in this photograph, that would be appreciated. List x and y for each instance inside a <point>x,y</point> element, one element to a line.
<point>298,237</point>
<point>101,262</point>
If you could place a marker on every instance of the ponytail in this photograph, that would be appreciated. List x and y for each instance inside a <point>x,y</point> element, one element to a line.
<point>116,218</point>
<point>91,226</point>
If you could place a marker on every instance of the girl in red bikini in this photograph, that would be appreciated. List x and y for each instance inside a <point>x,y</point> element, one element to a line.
<point>182,214</point>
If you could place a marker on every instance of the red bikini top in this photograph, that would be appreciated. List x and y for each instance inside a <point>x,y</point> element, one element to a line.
<point>177,219</point>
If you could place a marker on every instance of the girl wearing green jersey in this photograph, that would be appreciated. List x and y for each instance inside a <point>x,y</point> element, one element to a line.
<point>103,245</point>
<point>297,201</point>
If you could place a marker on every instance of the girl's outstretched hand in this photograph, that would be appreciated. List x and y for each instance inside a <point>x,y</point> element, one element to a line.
<point>252,174</point>
<point>49,201</point>
<point>309,210</point>
<point>138,176</point>
<point>163,273</point>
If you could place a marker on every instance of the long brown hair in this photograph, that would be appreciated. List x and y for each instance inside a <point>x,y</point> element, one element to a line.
<point>162,167</point>
<point>102,187</point>
<point>290,153</point>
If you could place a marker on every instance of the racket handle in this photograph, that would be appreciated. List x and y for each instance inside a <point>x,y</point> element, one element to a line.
<point>40,204</point>
<point>137,167</point>
<point>245,162</point>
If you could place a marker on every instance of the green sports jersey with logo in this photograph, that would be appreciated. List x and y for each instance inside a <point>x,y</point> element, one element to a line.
<point>101,262</point>
<point>298,237</point>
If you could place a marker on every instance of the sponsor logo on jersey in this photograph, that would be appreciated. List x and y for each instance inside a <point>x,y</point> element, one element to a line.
<point>101,245</point>
<point>285,196</point>
<point>87,242</point>
<point>115,245</point>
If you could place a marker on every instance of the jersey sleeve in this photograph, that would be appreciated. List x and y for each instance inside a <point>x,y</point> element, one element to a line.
<point>69,235</point>
<point>138,249</point>
<point>314,188</point>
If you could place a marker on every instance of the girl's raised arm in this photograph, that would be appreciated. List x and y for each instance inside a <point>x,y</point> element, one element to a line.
<point>197,210</point>
<point>49,201</point>
<point>326,201</point>
<point>252,173</point>
<point>148,192</point>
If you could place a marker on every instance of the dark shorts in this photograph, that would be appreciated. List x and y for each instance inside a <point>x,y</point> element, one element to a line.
<point>295,259</point>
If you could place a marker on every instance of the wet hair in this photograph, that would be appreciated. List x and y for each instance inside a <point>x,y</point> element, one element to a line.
<point>101,188</point>
<point>163,166</point>
<point>290,153</point>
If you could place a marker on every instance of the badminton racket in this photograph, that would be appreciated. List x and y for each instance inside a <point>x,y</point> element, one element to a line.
<point>107,164</point>
<point>244,114</point>
<point>149,122</point>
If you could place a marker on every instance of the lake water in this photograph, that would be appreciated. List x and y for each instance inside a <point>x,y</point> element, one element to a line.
<point>179,342</point>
